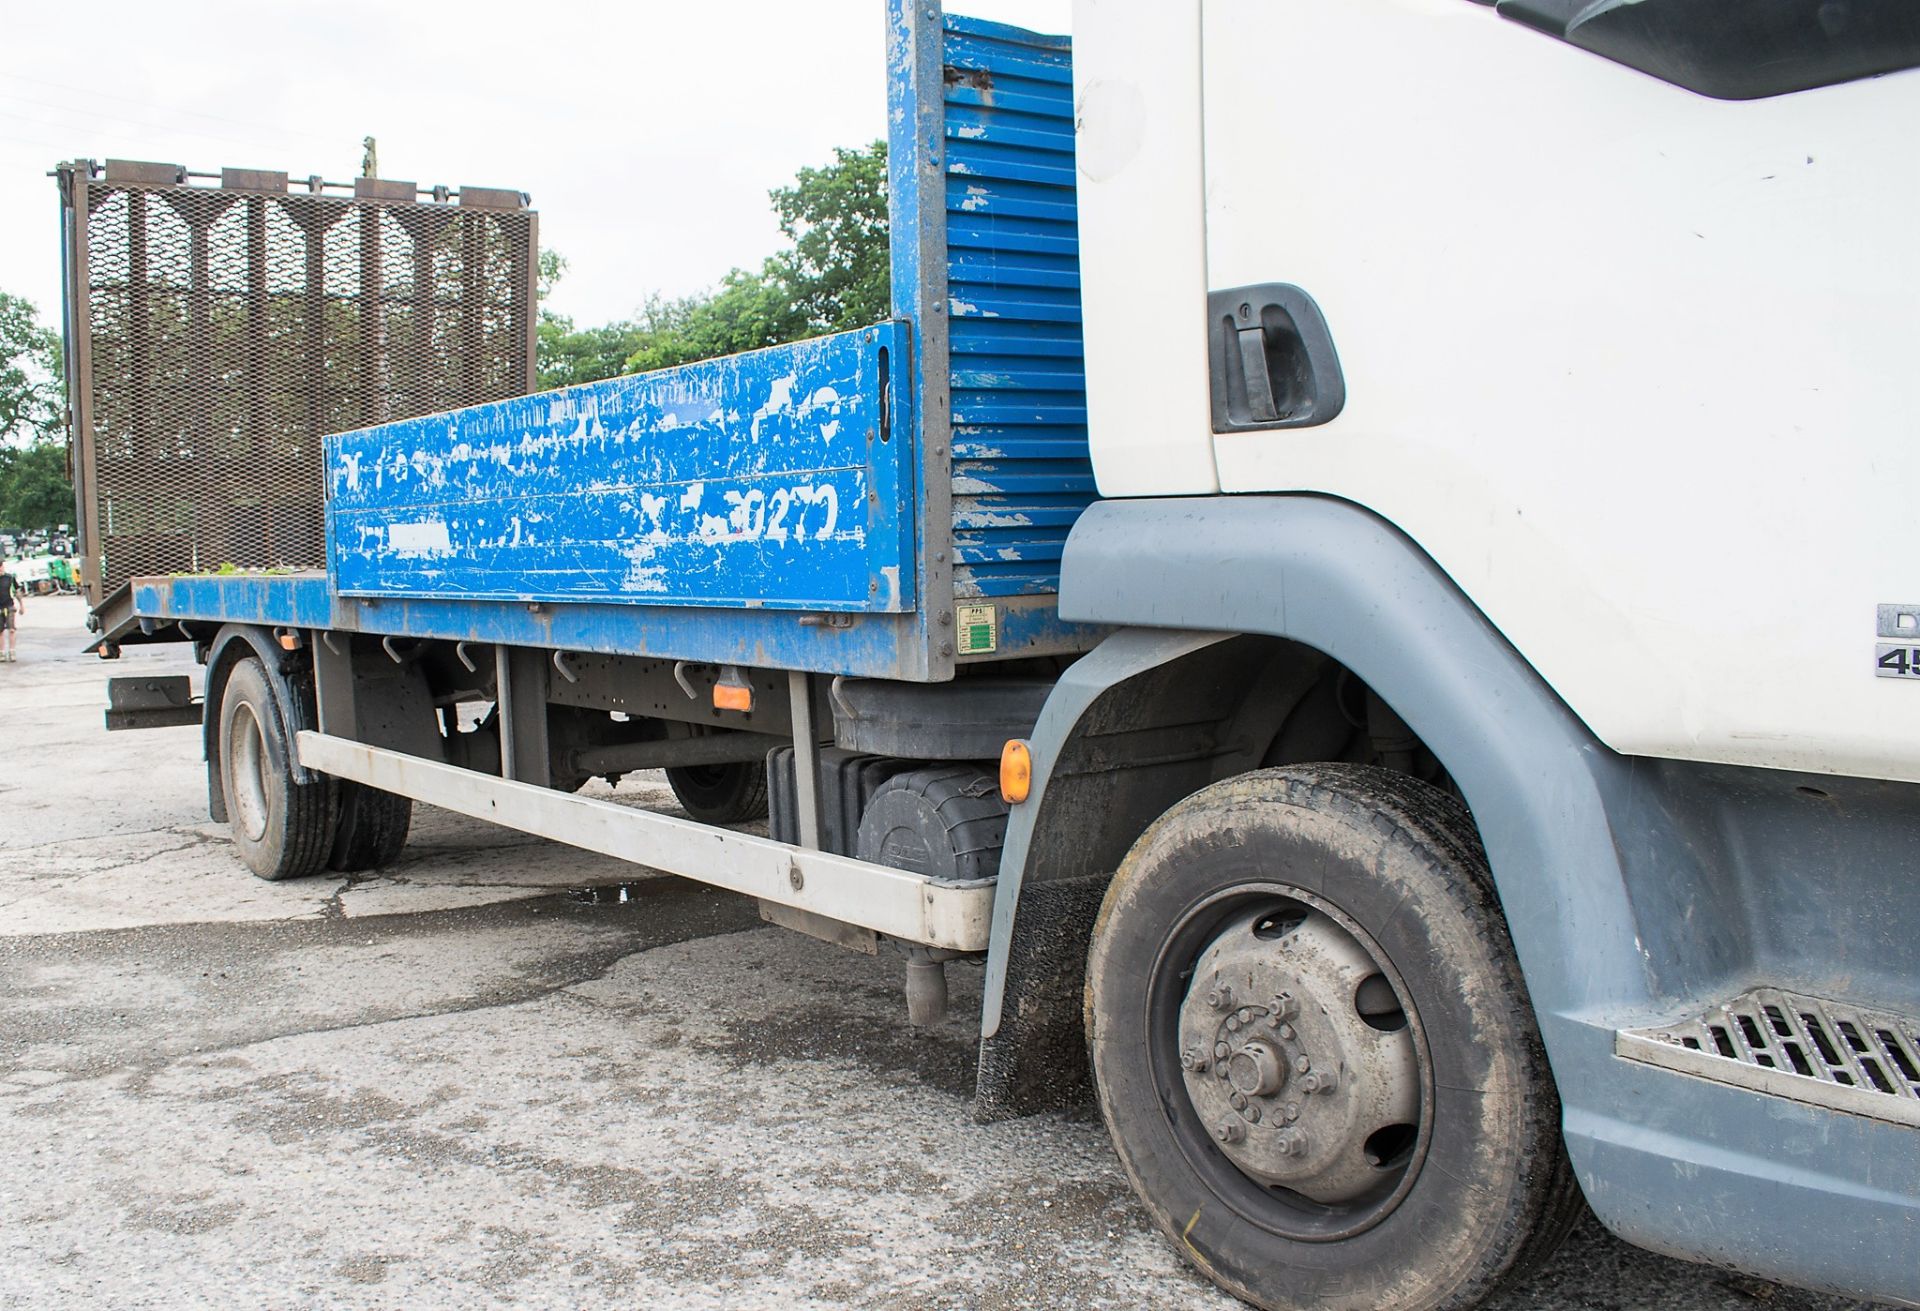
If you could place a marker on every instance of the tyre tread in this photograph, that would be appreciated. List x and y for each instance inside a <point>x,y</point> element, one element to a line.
<point>372,829</point>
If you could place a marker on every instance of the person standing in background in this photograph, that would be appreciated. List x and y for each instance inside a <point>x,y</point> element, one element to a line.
<point>13,603</point>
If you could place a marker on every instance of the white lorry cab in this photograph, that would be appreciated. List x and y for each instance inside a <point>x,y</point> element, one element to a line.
<point>1369,577</point>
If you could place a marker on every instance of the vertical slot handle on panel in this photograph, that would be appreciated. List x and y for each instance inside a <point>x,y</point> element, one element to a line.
<point>1260,400</point>
<point>886,397</point>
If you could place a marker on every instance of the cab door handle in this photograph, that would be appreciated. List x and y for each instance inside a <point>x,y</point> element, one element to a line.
<point>1272,360</point>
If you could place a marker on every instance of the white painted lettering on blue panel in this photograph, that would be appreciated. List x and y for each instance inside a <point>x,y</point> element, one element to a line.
<point>779,478</point>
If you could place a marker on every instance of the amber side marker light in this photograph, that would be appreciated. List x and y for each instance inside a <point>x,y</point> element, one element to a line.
<point>1016,771</point>
<point>732,691</point>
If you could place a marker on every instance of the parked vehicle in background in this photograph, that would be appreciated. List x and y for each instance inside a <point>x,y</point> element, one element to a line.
<point>30,572</point>
<point>1374,594</point>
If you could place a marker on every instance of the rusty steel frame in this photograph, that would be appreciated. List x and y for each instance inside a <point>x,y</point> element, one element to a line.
<point>229,428</point>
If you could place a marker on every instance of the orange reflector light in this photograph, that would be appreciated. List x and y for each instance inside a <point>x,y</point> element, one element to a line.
<point>289,640</point>
<point>1016,771</point>
<point>732,696</point>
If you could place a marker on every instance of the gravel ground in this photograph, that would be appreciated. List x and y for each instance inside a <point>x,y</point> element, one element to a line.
<point>507,1074</point>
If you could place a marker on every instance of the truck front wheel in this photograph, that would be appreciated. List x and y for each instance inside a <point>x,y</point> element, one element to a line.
<point>282,828</point>
<point>1314,1049</point>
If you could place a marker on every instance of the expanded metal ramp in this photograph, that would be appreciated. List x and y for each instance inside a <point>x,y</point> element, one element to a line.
<point>217,329</point>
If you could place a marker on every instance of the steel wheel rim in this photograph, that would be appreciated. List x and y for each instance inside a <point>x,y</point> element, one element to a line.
<point>247,768</point>
<point>1278,1210</point>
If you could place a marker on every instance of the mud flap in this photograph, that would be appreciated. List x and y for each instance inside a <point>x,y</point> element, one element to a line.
<point>1037,1059</point>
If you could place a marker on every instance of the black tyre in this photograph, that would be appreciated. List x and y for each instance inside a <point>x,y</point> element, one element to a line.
<point>282,829</point>
<point>372,829</point>
<point>1314,1049</point>
<point>721,794</point>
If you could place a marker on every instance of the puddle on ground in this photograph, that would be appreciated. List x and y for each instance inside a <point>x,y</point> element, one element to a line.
<point>612,894</point>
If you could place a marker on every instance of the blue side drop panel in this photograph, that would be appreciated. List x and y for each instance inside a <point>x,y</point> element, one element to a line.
<point>1021,471</point>
<point>781,479</point>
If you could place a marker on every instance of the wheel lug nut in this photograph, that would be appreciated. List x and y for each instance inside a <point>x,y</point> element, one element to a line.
<point>1220,1050</point>
<point>1220,997</point>
<point>1319,1081</point>
<point>1239,1101</point>
<point>1292,1112</point>
<point>1286,1031</point>
<point>1284,1007</point>
<point>1245,1016</point>
<point>1194,1060</point>
<point>1233,1023</point>
<point>1227,1131</point>
<point>1253,1113</point>
<point>1301,1064</point>
<point>1291,1142</point>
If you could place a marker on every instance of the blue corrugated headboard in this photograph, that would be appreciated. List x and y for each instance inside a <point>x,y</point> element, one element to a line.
<point>983,190</point>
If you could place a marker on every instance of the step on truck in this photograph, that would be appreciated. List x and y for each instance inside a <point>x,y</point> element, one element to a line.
<point>1369,577</point>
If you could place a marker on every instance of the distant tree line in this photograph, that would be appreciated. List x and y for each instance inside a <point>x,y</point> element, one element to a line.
<point>833,276</point>
<point>34,491</point>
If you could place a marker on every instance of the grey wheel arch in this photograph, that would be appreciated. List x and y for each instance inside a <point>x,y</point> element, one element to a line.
<point>1335,578</point>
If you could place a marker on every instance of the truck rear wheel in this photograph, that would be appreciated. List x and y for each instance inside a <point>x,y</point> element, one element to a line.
<point>372,829</point>
<point>282,828</point>
<point>721,794</point>
<point>1314,1049</point>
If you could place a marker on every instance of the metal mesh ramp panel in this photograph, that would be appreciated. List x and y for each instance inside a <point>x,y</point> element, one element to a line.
<point>217,333</point>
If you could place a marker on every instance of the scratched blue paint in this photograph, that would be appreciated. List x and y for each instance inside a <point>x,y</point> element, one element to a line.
<point>776,479</point>
<point>1020,466</point>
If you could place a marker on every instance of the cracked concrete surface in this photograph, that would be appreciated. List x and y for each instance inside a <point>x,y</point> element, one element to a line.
<point>458,1085</point>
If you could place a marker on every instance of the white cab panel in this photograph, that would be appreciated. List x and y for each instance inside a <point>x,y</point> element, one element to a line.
<point>1143,293</point>
<point>1634,366</point>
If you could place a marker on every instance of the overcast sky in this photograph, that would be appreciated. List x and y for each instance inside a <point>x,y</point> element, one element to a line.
<point>647,133</point>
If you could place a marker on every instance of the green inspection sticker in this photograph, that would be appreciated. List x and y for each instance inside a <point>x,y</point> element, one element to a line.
<point>978,632</point>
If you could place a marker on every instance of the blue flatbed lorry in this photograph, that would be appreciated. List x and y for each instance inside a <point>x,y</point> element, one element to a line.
<point>1273,774</point>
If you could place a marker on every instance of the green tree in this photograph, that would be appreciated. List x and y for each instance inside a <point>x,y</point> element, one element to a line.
<point>30,372</point>
<point>834,276</point>
<point>747,311</point>
<point>34,491</point>
<point>836,218</point>
<point>565,355</point>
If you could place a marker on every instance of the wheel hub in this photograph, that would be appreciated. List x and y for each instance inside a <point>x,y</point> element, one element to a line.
<point>1297,1057</point>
